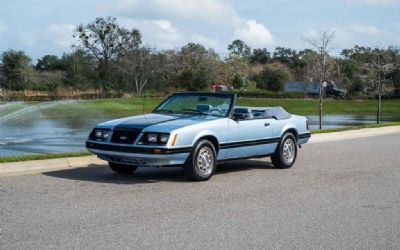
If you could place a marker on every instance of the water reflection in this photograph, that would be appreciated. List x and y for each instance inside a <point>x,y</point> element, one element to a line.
<point>338,121</point>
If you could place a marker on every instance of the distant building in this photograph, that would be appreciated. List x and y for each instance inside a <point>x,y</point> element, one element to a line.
<point>302,87</point>
<point>329,88</point>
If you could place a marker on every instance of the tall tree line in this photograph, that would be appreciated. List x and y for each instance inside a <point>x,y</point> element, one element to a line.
<point>110,57</point>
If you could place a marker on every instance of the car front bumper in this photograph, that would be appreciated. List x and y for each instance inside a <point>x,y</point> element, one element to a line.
<point>141,156</point>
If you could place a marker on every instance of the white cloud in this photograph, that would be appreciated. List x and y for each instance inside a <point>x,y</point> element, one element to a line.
<point>160,32</point>
<point>154,19</point>
<point>204,10</point>
<point>60,34</point>
<point>360,29</point>
<point>254,33</point>
<point>348,36</point>
<point>208,42</point>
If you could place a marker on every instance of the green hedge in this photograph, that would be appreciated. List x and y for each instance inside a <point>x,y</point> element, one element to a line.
<point>266,94</point>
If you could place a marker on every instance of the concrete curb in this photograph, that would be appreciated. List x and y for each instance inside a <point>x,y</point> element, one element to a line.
<point>40,166</point>
<point>353,134</point>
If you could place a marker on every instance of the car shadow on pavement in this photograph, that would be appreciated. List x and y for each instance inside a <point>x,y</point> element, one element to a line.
<point>102,174</point>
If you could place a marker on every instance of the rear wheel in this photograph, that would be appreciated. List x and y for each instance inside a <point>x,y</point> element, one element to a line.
<point>201,164</point>
<point>286,152</point>
<point>121,168</point>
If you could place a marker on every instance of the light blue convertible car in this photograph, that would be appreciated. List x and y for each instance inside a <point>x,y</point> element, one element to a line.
<point>197,131</point>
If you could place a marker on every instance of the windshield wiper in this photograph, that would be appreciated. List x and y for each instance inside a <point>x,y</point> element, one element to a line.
<point>164,111</point>
<point>194,111</point>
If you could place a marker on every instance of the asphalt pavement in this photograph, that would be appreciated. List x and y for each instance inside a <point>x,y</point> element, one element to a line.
<point>339,195</point>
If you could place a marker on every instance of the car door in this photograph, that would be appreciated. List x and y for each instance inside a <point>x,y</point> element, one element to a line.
<point>250,137</point>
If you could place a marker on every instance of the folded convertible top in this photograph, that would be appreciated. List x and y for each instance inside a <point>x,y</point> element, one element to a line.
<point>278,113</point>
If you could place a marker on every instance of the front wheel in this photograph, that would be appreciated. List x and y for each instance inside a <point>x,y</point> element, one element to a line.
<point>201,164</point>
<point>286,152</point>
<point>121,168</point>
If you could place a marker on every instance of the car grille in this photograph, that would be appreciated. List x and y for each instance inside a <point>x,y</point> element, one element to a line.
<point>124,136</point>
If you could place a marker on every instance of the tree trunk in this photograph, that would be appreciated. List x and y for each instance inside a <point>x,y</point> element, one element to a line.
<point>320,106</point>
<point>378,114</point>
<point>322,65</point>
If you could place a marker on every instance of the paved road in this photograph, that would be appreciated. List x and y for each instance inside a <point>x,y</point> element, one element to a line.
<point>340,195</point>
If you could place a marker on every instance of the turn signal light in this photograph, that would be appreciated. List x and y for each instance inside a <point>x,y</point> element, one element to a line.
<point>174,140</point>
<point>157,151</point>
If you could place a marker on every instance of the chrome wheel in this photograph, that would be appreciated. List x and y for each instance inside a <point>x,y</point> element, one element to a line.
<point>205,161</point>
<point>288,151</point>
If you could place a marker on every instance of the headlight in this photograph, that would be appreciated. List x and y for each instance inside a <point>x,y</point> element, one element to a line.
<point>152,138</point>
<point>164,138</point>
<point>105,134</point>
<point>98,133</point>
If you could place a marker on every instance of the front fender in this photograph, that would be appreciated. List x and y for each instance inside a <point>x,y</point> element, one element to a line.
<point>204,133</point>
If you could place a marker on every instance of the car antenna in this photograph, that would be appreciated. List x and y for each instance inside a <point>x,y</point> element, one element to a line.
<point>144,102</point>
<point>144,99</point>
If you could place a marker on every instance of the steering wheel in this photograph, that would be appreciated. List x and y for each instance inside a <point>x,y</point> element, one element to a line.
<point>215,109</point>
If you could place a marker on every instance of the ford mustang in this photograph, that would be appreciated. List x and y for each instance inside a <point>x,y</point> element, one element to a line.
<point>197,131</point>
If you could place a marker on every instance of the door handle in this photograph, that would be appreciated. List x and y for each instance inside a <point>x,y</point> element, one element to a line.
<point>266,124</point>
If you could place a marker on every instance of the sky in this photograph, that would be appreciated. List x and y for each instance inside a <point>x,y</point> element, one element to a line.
<point>41,27</point>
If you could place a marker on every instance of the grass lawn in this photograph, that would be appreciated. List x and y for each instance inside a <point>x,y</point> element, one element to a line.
<point>297,106</point>
<point>132,106</point>
<point>18,158</point>
<point>310,106</point>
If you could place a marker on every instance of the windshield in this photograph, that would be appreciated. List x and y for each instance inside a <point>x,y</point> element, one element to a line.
<point>197,104</point>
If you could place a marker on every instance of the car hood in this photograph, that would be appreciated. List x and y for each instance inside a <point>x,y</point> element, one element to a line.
<point>155,122</point>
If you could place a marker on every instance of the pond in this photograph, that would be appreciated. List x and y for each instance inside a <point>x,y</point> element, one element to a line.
<point>53,127</point>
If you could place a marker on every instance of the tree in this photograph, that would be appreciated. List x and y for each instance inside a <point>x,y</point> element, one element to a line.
<point>17,70</point>
<point>378,66</point>
<point>272,77</point>
<point>310,69</point>
<point>260,56</point>
<point>320,43</point>
<point>198,67</point>
<point>79,70</point>
<point>238,67</point>
<point>237,82</point>
<point>290,58</point>
<point>104,40</point>
<point>285,55</point>
<point>240,49</point>
<point>139,65</point>
<point>48,63</point>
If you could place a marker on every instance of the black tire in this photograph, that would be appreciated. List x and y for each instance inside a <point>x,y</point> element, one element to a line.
<point>122,169</point>
<point>278,158</point>
<point>196,171</point>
